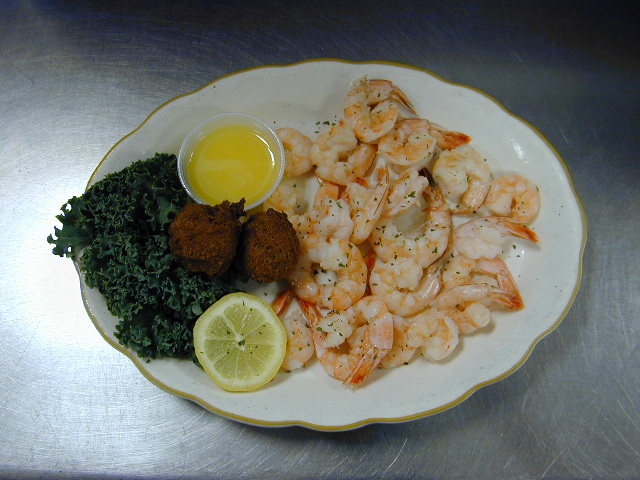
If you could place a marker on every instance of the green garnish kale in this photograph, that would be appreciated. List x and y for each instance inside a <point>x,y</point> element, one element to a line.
<point>118,232</point>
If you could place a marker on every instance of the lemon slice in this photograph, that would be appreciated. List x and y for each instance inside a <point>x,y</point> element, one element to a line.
<point>240,342</point>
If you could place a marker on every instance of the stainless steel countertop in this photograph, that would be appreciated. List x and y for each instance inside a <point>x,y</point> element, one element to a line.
<point>77,76</point>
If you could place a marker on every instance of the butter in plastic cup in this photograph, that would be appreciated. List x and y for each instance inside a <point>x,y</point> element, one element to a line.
<point>233,155</point>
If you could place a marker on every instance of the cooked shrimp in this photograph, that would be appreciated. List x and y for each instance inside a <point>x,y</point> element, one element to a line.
<point>464,177</point>
<point>420,331</point>
<point>334,361</point>
<point>408,144</point>
<point>300,347</point>
<point>471,317</point>
<point>335,327</point>
<point>485,236</point>
<point>489,295</point>
<point>299,341</point>
<point>374,340</point>
<point>286,198</point>
<point>330,215</point>
<point>302,224</point>
<point>461,270</point>
<point>401,351</point>
<point>329,273</point>
<point>431,241</point>
<point>443,338</point>
<point>386,90</point>
<point>297,149</point>
<point>372,110</point>
<point>282,301</point>
<point>469,305</point>
<point>513,196</point>
<point>405,192</point>
<point>353,360</point>
<point>404,286</point>
<point>367,203</point>
<point>448,140</point>
<point>338,156</point>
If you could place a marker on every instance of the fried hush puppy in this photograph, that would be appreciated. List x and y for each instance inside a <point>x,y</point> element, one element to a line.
<point>268,247</point>
<point>204,238</point>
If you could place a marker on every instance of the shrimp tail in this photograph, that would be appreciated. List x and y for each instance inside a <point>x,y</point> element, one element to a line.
<point>364,367</point>
<point>514,228</point>
<point>505,279</point>
<point>310,311</point>
<point>282,301</point>
<point>312,314</point>
<point>450,140</point>
<point>397,95</point>
<point>510,300</point>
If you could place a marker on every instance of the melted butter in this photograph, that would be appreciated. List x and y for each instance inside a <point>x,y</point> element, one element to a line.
<point>230,163</point>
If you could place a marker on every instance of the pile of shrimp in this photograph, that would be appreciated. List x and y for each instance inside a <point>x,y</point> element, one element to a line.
<point>384,272</point>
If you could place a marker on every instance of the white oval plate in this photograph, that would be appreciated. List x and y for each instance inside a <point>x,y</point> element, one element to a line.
<point>302,95</point>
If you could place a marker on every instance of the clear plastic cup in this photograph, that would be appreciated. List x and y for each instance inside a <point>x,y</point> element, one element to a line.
<point>212,124</point>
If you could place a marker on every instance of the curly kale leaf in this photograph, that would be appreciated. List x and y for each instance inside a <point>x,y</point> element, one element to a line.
<point>120,226</point>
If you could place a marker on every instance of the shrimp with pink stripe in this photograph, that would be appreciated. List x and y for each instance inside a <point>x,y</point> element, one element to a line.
<point>409,144</point>
<point>398,255</point>
<point>470,305</point>
<point>367,199</point>
<point>404,285</point>
<point>300,347</point>
<point>464,177</point>
<point>426,244</point>
<point>485,236</point>
<point>329,273</point>
<point>371,340</point>
<point>513,196</point>
<point>372,108</point>
<point>339,157</point>
<point>405,192</point>
<point>297,150</point>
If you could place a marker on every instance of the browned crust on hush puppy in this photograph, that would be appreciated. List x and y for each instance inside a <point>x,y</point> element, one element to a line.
<point>204,238</point>
<point>268,247</point>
